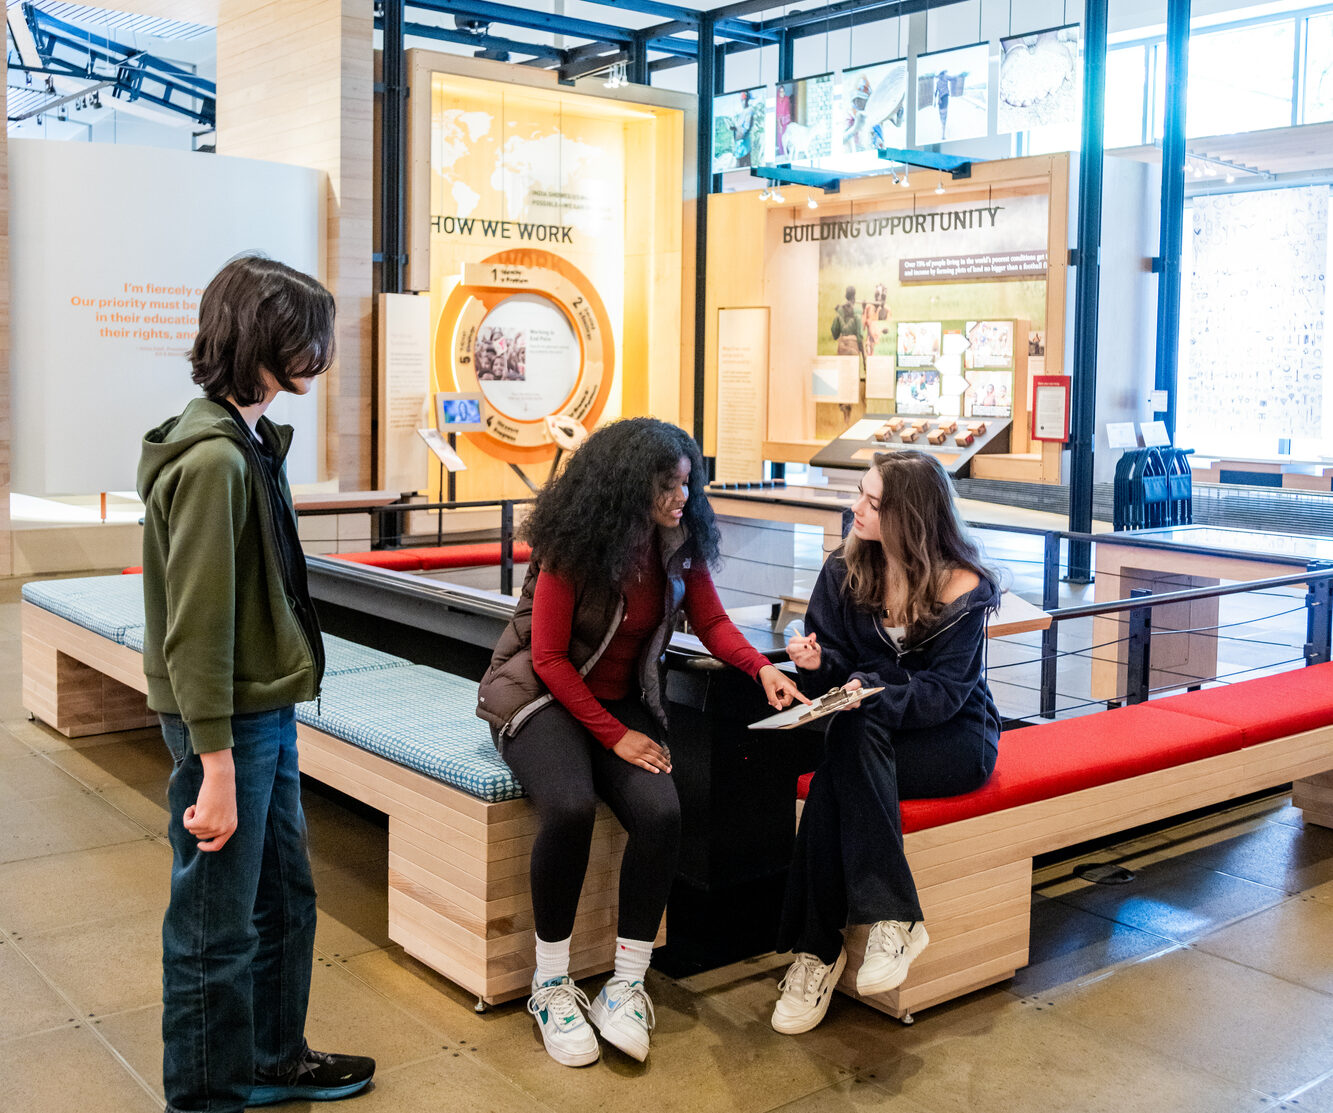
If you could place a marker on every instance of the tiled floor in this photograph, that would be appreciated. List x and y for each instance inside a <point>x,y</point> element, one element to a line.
<point>1206,984</point>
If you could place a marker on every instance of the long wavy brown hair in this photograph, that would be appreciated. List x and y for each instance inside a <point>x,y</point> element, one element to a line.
<point>922,543</point>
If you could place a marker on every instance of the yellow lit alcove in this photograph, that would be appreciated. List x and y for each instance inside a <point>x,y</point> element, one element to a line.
<point>503,165</point>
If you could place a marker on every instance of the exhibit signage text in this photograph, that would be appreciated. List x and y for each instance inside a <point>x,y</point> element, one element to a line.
<point>502,229</point>
<point>955,220</point>
<point>996,264</point>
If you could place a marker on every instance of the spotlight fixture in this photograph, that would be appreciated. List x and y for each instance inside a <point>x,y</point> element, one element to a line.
<point>776,196</point>
<point>939,184</point>
<point>905,183</point>
<point>765,193</point>
<point>894,175</point>
<point>617,76</point>
<point>96,101</point>
<point>811,203</point>
<point>1230,179</point>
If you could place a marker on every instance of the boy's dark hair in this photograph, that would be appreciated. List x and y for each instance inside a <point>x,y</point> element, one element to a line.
<point>259,314</point>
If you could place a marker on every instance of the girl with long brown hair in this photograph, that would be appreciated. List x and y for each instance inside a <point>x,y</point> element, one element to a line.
<point>901,605</point>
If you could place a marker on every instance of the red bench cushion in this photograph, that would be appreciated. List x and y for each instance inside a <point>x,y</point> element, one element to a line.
<point>1267,707</point>
<point>445,556</point>
<point>1037,763</point>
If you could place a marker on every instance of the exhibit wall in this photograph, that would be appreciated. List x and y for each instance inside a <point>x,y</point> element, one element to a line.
<point>976,272</point>
<point>554,244</point>
<point>108,265</point>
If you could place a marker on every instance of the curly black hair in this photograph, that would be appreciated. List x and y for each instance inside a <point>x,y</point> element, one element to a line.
<point>592,521</point>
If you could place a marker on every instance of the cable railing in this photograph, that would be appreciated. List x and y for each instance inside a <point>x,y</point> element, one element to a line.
<point>1142,679</point>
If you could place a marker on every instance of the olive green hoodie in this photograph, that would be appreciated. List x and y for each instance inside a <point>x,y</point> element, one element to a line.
<point>225,634</point>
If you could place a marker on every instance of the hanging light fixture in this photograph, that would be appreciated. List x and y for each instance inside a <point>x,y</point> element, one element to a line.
<point>939,184</point>
<point>811,203</point>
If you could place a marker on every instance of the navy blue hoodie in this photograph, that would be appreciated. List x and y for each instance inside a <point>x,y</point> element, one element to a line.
<point>937,683</point>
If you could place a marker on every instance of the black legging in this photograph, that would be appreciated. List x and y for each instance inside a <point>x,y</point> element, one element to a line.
<point>849,866</point>
<point>565,770</point>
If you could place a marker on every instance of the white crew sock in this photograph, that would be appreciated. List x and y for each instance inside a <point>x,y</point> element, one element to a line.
<point>632,958</point>
<point>552,959</point>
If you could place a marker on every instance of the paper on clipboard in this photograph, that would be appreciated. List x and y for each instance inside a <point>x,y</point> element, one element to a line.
<point>837,699</point>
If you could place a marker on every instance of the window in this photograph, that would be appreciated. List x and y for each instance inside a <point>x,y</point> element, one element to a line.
<point>1241,79</point>
<point>1125,83</point>
<point>1318,84</point>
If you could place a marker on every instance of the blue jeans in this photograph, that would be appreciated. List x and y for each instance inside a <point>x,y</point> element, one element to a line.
<point>239,934</point>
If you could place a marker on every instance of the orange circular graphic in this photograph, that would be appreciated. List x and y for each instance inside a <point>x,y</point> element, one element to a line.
<point>527,330</point>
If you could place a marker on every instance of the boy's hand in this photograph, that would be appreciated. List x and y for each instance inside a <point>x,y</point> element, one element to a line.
<point>212,817</point>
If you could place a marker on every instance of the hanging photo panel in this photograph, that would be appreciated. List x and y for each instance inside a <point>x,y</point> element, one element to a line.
<point>872,108</point>
<point>739,124</point>
<point>1041,79</point>
<point>953,95</point>
<point>803,120</point>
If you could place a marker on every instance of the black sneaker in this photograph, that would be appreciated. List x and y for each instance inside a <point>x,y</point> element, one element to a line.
<point>315,1076</point>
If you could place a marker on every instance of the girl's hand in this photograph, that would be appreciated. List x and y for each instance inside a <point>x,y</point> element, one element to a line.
<point>805,651</point>
<point>779,688</point>
<point>851,686</point>
<point>638,749</point>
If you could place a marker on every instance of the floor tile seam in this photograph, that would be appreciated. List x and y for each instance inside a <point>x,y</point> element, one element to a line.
<point>739,1015</point>
<point>143,836</point>
<point>1305,1087</point>
<point>1169,1057</point>
<point>393,1002</point>
<point>1166,1057</point>
<point>81,1021</point>
<point>534,1104</point>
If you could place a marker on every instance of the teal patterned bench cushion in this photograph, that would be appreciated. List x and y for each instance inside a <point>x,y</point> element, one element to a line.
<point>134,638</point>
<point>106,605</point>
<point>418,717</point>
<point>342,657</point>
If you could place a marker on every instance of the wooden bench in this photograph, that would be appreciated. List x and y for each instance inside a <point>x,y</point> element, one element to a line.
<point>458,888</point>
<point>1065,782</point>
<point>459,893</point>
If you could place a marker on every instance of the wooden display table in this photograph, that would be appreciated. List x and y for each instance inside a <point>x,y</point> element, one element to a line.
<point>1191,556</point>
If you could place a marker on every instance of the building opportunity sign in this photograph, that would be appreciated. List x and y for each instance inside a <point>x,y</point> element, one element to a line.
<point>973,261</point>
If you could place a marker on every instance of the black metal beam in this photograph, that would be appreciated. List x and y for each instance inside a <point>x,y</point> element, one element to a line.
<point>486,42</point>
<point>393,148</point>
<point>707,89</point>
<point>1082,431</point>
<point>638,63</point>
<point>514,16</point>
<point>572,71</point>
<point>1173,207</point>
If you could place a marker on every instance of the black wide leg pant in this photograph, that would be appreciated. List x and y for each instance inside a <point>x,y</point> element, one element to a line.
<point>565,770</point>
<point>849,866</point>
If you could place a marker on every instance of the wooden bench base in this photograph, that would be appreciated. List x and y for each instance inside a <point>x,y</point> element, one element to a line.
<point>974,876</point>
<point>459,895</point>
<point>459,898</point>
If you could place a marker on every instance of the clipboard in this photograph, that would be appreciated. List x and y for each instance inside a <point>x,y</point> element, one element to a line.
<point>834,700</point>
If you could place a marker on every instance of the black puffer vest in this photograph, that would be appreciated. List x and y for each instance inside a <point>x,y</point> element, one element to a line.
<point>510,691</point>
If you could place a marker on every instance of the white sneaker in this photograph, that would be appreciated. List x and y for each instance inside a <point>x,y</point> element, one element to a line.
<point>889,952</point>
<point>624,1015</point>
<point>807,990</point>
<point>558,1006</point>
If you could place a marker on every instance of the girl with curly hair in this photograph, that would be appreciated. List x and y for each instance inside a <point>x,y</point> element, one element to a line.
<point>622,541</point>
<point>902,605</point>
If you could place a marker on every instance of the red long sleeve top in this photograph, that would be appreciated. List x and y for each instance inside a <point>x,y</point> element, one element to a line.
<point>613,677</point>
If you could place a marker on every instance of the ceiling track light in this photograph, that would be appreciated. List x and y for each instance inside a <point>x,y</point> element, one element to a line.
<point>939,184</point>
<point>776,196</point>
<point>811,203</point>
<point>617,76</point>
<point>765,193</point>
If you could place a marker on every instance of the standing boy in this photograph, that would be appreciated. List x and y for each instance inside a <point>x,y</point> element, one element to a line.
<point>231,645</point>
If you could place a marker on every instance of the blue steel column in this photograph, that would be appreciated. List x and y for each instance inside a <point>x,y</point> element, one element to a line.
<point>1173,205</point>
<point>704,173</point>
<point>1083,404</point>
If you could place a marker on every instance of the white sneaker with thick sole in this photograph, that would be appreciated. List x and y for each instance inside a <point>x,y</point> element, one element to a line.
<point>807,990</point>
<point>558,1007</point>
<point>889,952</point>
<point>623,1014</point>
